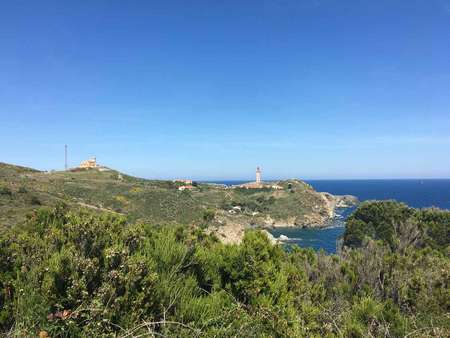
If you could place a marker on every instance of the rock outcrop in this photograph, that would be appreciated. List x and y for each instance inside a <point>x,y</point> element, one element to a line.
<point>296,205</point>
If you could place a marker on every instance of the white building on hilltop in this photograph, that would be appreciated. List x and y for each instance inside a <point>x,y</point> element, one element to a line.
<point>91,163</point>
<point>258,175</point>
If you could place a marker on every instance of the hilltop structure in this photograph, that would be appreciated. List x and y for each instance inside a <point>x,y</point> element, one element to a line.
<point>259,184</point>
<point>91,163</point>
<point>258,175</point>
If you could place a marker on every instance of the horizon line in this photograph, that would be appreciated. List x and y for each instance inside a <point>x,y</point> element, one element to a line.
<point>271,179</point>
<point>326,179</point>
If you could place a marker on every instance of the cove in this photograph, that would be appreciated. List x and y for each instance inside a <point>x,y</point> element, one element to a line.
<point>316,238</point>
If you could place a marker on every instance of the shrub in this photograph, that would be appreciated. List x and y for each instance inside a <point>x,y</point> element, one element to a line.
<point>22,190</point>
<point>5,191</point>
<point>34,200</point>
<point>208,215</point>
<point>80,274</point>
<point>398,225</point>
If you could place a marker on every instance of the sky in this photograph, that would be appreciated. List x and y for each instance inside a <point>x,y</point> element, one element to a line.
<point>313,89</point>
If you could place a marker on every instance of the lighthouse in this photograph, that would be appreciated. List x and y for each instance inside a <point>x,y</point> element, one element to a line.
<point>258,175</point>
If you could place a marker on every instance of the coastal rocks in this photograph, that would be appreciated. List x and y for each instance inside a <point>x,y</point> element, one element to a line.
<point>330,203</point>
<point>271,238</point>
<point>346,201</point>
<point>310,220</point>
<point>229,233</point>
<point>298,205</point>
<point>333,202</point>
<point>234,233</point>
<point>269,221</point>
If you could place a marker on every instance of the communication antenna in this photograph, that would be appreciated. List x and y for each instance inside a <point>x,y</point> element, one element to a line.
<point>65,157</point>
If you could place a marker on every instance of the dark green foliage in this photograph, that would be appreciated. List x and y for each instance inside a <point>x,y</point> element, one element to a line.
<point>22,190</point>
<point>34,200</point>
<point>208,215</point>
<point>377,220</point>
<point>435,227</point>
<point>398,225</point>
<point>5,191</point>
<point>247,192</point>
<point>81,274</point>
<point>252,202</point>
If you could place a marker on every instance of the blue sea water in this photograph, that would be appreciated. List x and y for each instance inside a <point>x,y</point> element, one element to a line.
<point>414,192</point>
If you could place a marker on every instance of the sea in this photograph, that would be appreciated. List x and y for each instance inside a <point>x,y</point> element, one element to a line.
<point>417,193</point>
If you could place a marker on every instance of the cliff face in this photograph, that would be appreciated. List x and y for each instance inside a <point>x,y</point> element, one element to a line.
<point>333,202</point>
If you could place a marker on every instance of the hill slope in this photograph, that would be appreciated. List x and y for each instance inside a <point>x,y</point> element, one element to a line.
<point>160,202</point>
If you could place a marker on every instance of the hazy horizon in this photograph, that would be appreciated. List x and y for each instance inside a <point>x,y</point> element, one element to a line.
<point>316,90</point>
<point>249,178</point>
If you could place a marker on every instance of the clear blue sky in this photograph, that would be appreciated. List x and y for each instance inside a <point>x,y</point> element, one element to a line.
<point>210,89</point>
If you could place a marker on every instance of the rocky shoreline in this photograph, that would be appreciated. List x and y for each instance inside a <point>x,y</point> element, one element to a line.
<point>315,219</point>
<point>231,229</point>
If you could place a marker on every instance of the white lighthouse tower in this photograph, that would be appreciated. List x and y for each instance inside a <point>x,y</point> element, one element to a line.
<point>258,175</point>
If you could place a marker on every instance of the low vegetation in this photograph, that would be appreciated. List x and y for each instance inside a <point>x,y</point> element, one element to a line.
<point>23,190</point>
<point>70,273</point>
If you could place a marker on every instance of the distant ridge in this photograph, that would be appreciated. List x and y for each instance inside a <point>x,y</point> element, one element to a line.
<point>222,209</point>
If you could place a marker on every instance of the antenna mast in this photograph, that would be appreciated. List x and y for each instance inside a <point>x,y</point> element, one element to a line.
<point>65,157</point>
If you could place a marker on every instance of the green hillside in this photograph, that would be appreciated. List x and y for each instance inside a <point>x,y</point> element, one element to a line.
<point>105,264</point>
<point>159,202</point>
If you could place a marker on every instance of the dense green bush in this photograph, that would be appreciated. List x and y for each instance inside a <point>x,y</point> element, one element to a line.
<point>208,215</point>
<point>81,274</point>
<point>5,191</point>
<point>398,225</point>
<point>22,190</point>
<point>34,200</point>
